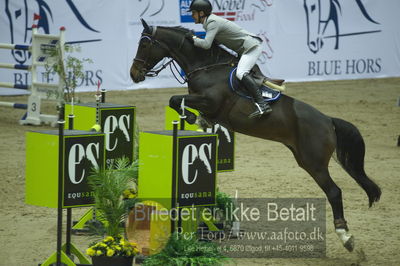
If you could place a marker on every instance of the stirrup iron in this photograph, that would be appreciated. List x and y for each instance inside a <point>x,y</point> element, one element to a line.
<point>260,111</point>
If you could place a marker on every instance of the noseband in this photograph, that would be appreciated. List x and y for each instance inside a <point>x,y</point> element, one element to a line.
<point>146,65</point>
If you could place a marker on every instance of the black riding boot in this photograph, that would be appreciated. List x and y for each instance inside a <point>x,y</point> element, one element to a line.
<point>255,92</point>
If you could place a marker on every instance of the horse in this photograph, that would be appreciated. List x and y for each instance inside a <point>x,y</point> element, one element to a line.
<point>312,136</point>
<point>321,13</point>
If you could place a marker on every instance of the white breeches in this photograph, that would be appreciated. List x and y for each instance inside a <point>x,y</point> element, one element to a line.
<point>247,61</point>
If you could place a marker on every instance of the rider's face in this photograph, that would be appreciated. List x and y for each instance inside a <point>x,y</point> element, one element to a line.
<point>196,15</point>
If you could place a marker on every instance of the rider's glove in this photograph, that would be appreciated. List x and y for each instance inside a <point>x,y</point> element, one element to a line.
<point>189,36</point>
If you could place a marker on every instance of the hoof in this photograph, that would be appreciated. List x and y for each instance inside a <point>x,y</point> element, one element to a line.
<point>349,245</point>
<point>346,238</point>
<point>203,123</point>
<point>191,118</point>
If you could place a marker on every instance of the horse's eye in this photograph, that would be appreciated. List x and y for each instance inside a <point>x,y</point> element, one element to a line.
<point>18,13</point>
<point>312,8</point>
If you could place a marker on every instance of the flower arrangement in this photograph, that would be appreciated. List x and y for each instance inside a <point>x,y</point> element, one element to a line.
<point>129,193</point>
<point>114,197</point>
<point>113,246</point>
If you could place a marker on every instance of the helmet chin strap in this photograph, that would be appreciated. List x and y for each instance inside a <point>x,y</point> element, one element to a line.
<point>201,17</point>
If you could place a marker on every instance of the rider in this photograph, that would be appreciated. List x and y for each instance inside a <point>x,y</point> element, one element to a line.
<point>244,43</point>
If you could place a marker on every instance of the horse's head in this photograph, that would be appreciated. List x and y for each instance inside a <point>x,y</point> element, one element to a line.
<point>319,14</point>
<point>149,53</point>
<point>313,16</point>
<point>157,43</point>
<point>20,18</point>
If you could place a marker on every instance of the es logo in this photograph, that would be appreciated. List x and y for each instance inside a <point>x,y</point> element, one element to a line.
<point>118,126</point>
<point>111,125</point>
<point>82,154</point>
<point>193,158</point>
<point>81,158</point>
<point>197,164</point>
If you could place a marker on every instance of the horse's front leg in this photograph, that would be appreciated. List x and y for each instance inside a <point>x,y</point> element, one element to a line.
<point>197,102</point>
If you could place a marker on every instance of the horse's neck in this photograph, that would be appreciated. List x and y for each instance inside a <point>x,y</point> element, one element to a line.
<point>190,57</point>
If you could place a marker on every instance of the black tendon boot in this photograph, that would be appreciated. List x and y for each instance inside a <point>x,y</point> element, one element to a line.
<point>255,92</point>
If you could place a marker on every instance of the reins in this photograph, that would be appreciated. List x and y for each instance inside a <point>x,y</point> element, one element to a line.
<point>209,67</point>
<point>170,63</point>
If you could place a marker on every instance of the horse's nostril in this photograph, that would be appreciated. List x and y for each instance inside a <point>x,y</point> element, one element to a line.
<point>313,44</point>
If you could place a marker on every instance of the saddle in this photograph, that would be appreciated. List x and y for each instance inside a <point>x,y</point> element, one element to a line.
<point>270,88</point>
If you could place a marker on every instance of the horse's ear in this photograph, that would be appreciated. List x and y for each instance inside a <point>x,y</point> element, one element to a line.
<point>146,27</point>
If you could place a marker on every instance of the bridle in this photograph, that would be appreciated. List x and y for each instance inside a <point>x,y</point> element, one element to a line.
<point>154,72</point>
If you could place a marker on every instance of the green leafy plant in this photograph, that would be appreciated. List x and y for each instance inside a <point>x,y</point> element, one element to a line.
<point>225,205</point>
<point>108,187</point>
<point>114,191</point>
<point>186,251</point>
<point>69,69</point>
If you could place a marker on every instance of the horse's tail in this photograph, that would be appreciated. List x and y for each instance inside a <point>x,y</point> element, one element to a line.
<point>350,151</point>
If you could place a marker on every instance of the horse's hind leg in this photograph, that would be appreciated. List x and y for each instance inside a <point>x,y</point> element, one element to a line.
<point>315,159</point>
<point>334,195</point>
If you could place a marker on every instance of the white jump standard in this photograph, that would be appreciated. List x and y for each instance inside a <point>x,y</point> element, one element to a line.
<point>42,45</point>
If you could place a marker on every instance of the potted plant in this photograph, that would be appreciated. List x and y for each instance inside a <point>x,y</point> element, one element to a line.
<point>187,251</point>
<point>110,187</point>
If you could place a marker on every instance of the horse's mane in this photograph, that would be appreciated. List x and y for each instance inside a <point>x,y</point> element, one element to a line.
<point>220,54</point>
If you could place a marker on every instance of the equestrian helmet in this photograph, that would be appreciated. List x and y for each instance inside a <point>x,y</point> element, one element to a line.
<point>201,5</point>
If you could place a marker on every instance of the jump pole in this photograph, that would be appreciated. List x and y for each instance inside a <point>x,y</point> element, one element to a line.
<point>14,105</point>
<point>61,123</point>
<point>14,86</point>
<point>90,215</point>
<point>69,210</point>
<point>98,96</point>
<point>182,116</point>
<point>103,95</point>
<point>15,66</point>
<point>174,174</point>
<point>15,46</point>
<point>38,90</point>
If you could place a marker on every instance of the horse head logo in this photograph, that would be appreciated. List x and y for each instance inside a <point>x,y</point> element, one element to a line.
<point>22,14</point>
<point>152,10</point>
<point>21,18</point>
<point>322,13</point>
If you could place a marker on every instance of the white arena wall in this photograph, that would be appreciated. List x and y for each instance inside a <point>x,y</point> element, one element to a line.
<point>304,40</point>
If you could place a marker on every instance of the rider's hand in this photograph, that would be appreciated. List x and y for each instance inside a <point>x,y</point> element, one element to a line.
<point>189,36</point>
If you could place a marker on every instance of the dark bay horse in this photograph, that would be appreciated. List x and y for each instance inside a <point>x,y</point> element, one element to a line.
<point>311,136</point>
